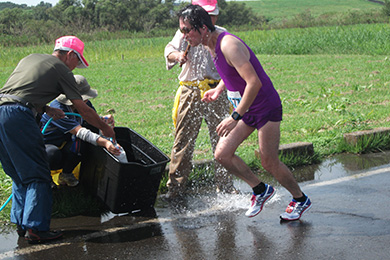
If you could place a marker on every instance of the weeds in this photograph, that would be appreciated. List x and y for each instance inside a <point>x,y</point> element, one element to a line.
<point>367,144</point>
<point>75,202</point>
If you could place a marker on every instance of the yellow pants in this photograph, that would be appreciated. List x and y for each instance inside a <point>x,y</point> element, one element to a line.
<point>190,112</point>
<point>203,86</point>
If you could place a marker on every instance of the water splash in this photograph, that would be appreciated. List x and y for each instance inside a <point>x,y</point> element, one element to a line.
<point>197,211</point>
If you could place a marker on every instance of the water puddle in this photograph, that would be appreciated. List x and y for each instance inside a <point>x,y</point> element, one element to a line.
<point>341,165</point>
<point>208,211</point>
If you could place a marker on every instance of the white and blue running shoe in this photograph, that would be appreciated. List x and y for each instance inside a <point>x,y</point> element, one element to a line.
<point>295,209</point>
<point>258,201</point>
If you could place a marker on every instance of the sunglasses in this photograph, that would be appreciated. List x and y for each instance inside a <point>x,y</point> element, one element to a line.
<point>186,30</point>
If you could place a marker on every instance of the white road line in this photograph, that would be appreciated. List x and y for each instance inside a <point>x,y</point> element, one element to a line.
<point>348,178</point>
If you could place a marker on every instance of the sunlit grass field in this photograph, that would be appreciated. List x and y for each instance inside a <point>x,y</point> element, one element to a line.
<point>282,9</point>
<point>336,81</point>
<point>332,80</point>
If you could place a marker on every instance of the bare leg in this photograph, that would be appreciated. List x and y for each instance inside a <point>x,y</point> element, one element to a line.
<point>269,138</point>
<point>225,154</point>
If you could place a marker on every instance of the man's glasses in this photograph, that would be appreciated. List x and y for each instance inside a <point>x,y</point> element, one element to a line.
<point>186,30</point>
<point>80,62</point>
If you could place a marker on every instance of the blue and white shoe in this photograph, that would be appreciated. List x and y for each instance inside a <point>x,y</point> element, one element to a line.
<point>295,210</point>
<point>258,201</point>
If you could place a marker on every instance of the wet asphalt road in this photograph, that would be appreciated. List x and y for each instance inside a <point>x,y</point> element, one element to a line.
<point>349,219</point>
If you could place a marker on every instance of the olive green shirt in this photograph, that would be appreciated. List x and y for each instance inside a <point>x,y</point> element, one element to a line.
<point>40,78</point>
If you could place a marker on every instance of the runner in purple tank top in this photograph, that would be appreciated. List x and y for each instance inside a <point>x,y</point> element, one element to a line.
<point>256,106</point>
<point>266,100</point>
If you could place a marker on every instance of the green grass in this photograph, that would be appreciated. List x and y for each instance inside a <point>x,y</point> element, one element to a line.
<point>5,191</point>
<point>73,201</point>
<point>371,39</point>
<point>366,144</point>
<point>328,84</point>
<point>285,9</point>
<point>332,80</point>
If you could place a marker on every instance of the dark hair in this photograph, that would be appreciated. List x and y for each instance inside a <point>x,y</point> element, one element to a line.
<point>196,16</point>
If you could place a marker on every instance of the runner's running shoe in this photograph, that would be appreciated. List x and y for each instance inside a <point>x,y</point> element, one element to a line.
<point>258,201</point>
<point>295,209</point>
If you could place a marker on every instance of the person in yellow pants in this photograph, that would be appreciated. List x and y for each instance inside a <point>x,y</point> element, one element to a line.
<point>198,74</point>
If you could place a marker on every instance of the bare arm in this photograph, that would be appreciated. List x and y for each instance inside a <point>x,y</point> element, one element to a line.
<point>179,56</point>
<point>237,55</point>
<point>55,113</point>
<point>173,51</point>
<point>213,94</point>
<point>92,117</point>
<point>100,141</point>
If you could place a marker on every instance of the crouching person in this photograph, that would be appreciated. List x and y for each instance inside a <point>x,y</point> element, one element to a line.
<point>65,138</point>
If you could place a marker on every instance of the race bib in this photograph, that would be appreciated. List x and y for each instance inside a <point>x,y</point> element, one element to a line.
<point>234,97</point>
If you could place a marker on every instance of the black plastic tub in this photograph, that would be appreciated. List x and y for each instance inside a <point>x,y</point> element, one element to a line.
<point>124,187</point>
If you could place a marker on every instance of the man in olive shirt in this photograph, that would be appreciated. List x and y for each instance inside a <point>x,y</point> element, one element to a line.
<point>37,80</point>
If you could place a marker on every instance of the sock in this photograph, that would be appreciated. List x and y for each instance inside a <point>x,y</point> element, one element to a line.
<point>301,199</point>
<point>260,188</point>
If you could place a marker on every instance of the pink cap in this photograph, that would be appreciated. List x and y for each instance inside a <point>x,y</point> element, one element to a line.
<point>72,43</point>
<point>209,5</point>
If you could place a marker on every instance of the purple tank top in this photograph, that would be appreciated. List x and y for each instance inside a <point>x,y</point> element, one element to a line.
<point>267,98</point>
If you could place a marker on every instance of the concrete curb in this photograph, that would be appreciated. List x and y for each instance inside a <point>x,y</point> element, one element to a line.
<point>306,148</point>
<point>294,149</point>
<point>354,137</point>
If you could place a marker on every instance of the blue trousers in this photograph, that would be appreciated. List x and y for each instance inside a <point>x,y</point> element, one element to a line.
<point>24,159</point>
